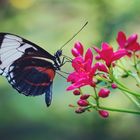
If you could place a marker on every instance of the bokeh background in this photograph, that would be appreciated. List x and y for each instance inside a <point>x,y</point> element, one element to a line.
<point>50,23</point>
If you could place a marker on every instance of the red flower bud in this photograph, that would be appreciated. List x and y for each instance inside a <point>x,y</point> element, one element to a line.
<point>76,92</point>
<point>97,57</point>
<point>93,84</point>
<point>104,92</point>
<point>103,113</point>
<point>84,96</point>
<point>114,85</point>
<point>79,110</point>
<point>82,102</point>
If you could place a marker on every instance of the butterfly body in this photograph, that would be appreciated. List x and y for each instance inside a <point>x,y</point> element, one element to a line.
<point>27,67</point>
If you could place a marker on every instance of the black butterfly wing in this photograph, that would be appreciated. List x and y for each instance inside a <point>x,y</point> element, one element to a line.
<point>27,67</point>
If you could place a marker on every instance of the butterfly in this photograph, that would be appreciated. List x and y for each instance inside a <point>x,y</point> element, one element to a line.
<point>28,68</point>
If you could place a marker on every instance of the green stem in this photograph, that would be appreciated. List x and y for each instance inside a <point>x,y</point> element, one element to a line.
<point>134,75</point>
<point>135,64</point>
<point>124,88</point>
<point>80,91</point>
<point>132,99</point>
<point>120,110</point>
<point>129,91</point>
<point>97,98</point>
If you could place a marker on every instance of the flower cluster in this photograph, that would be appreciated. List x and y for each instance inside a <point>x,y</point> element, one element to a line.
<point>84,71</point>
<point>97,72</point>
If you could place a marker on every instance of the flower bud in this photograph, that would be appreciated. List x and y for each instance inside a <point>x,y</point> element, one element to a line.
<point>79,110</point>
<point>76,92</point>
<point>71,105</point>
<point>98,57</point>
<point>104,92</point>
<point>84,96</point>
<point>113,85</point>
<point>82,102</point>
<point>93,84</point>
<point>103,113</point>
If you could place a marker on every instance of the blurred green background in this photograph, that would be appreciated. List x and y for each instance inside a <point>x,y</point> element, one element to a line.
<point>50,23</point>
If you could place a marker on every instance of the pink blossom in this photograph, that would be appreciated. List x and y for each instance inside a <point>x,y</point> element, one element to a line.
<point>130,43</point>
<point>83,69</point>
<point>108,55</point>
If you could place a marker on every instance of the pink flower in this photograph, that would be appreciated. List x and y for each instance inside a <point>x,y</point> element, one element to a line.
<point>83,70</point>
<point>129,44</point>
<point>108,55</point>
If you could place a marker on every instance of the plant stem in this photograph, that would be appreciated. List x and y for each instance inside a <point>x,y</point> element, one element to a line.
<point>97,98</point>
<point>124,88</point>
<point>132,99</point>
<point>129,91</point>
<point>120,110</point>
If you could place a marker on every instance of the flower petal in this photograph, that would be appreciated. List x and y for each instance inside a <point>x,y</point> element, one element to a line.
<point>77,63</point>
<point>79,47</point>
<point>107,53</point>
<point>75,52</point>
<point>101,67</point>
<point>73,77</point>
<point>89,55</point>
<point>87,65</point>
<point>97,49</point>
<point>134,47</point>
<point>132,39</point>
<point>120,53</point>
<point>121,39</point>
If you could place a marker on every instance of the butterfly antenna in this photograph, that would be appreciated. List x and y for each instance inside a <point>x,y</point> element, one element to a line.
<point>74,35</point>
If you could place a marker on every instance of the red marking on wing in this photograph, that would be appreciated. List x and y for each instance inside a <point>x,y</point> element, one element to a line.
<point>37,84</point>
<point>50,72</point>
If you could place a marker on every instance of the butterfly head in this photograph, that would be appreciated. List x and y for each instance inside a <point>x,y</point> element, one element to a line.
<point>58,53</point>
<point>57,61</point>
